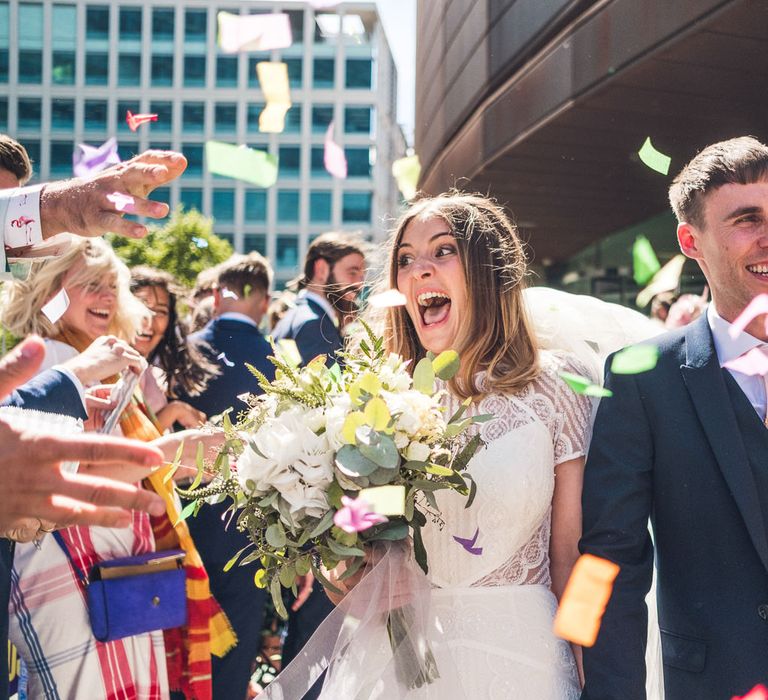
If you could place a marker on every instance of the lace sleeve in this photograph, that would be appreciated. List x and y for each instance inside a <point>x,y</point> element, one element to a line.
<point>574,411</point>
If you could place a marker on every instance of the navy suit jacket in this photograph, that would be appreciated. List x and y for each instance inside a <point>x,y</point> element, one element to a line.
<point>668,445</point>
<point>312,328</point>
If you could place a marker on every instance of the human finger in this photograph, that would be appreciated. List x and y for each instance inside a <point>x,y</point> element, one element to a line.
<point>305,591</point>
<point>110,221</point>
<point>91,448</point>
<point>21,364</point>
<point>100,491</point>
<point>174,162</point>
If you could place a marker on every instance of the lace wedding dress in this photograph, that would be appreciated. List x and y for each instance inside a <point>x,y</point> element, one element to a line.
<point>495,607</point>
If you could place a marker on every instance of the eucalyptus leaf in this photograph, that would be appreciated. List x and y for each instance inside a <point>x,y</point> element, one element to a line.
<point>446,364</point>
<point>343,551</point>
<point>467,452</point>
<point>431,499</point>
<point>277,597</point>
<point>268,500</point>
<point>287,575</point>
<point>352,462</point>
<point>461,410</point>
<point>303,565</point>
<point>377,447</point>
<point>472,491</point>
<point>186,512</point>
<point>325,524</point>
<point>234,559</point>
<point>424,377</point>
<point>334,494</point>
<point>419,551</point>
<point>393,531</point>
<point>382,477</point>
<point>324,580</point>
<point>275,536</point>
<point>437,470</point>
<point>250,558</point>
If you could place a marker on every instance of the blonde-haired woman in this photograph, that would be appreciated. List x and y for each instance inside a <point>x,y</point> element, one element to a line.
<point>461,266</point>
<point>49,619</point>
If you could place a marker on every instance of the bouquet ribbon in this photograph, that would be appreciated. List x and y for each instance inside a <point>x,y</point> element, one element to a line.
<point>381,641</point>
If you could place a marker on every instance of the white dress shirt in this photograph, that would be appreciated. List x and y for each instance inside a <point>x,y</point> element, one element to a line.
<point>728,349</point>
<point>20,220</point>
<point>321,301</point>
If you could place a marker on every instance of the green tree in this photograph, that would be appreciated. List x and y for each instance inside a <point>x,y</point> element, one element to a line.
<point>184,246</point>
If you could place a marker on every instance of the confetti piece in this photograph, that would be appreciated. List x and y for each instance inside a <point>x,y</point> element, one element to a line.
<point>136,120</point>
<point>406,172</point>
<point>55,308</point>
<point>645,264</point>
<point>334,158</point>
<point>385,500</point>
<point>122,202</point>
<point>392,297</point>
<point>199,242</point>
<point>331,25</point>
<point>665,280</point>
<point>255,32</point>
<point>222,356</point>
<point>635,359</point>
<point>757,307</point>
<point>584,599</point>
<point>242,163</point>
<point>582,385</point>
<point>654,159</point>
<point>89,160</point>
<point>752,363</point>
<point>759,692</point>
<point>229,294</point>
<point>273,79</point>
<point>469,544</point>
<point>287,349</point>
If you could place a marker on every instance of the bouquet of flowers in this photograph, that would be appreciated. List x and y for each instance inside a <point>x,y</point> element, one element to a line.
<point>330,459</point>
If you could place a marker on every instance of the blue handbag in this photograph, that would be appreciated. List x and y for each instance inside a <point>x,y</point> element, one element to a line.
<point>134,595</point>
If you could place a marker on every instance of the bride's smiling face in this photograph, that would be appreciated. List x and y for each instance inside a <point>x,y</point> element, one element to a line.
<point>431,276</point>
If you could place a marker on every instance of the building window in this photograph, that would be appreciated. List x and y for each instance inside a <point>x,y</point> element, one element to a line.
<point>358,162</point>
<point>224,205</point>
<point>3,65</point>
<point>95,115</point>
<point>30,113</point>
<point>63,114</point>
<point>30,26</point>
<point>356,207</point>
<point>357,120</point>
<point>193,116</point>
<point>30,66</point>
<point>164,112</point>
<point>317,166</point>
<point>255,208</point>
<point>359,73</point>
<point>297,25</point>
<point>293,120</point>
<point>97,21</point>
<point>33,151</point>
<point>129,69</point>
<point>4,39</point>
<point>289,161</point>
<point>294,66</point>
<point>322,116</point>
<point>322,73</point>
<point>228,237</point>
<point>130,23</point>
<point>96,68</point>
<point>162,23</point>
<point>162,70</point>
<point>287,206</point>
<point>160,146</point>
<point>61,158</point>
<point>64,26</point>
<point>3,113</point>
<point>63,68</point>
<point>255,241</point>
<point>226,71</point>
<point>194,71</point>
<point>195,25</point>
<point>192,198</point>
<point>287,251</point>
<point>127,149</point>
<point>320,207</point>
<point>194,155</point>
<point>254,110</point>
<point>226,118</point>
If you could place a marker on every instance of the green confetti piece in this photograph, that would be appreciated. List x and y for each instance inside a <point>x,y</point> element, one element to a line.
<point>645,264</point>
<point>635,359</point>
<point>582,385</point>
<point>654,159</point>
<point>241,163</point>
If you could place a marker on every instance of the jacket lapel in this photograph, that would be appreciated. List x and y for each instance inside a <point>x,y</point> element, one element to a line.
<point>704,379</point>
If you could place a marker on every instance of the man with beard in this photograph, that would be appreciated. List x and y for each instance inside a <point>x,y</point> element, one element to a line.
<point>334,270</point>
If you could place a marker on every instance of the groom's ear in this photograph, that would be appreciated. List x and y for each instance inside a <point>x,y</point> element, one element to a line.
<point>688,240</point>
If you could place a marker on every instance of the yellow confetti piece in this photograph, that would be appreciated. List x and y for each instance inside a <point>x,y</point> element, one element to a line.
<point>385,500</point>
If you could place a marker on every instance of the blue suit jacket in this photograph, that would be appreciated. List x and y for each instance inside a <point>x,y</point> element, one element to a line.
<point>312,328</point>
<point>668,445</point>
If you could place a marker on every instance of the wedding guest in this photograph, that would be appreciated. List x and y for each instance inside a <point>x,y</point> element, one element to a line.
<point>15,166</point>
<point>684,444</point>
<point>460,263</point>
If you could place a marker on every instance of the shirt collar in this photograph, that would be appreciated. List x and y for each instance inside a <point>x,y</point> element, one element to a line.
<point>237,316</point>
<point>320,300</point>
<point>728,348</point>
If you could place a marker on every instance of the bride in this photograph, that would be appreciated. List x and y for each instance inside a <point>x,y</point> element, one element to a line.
<point>498,568</point>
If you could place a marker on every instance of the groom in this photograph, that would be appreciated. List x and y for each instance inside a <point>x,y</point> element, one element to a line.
<point>686,444</point>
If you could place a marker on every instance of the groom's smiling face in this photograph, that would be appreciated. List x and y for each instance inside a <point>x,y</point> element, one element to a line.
<point>731,246</point>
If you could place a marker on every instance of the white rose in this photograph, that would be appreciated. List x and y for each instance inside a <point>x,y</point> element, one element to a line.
<point>418,452</point>
<point>335,416</point>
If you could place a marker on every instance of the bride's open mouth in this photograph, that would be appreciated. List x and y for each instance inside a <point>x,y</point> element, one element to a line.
<point>434,307</point>
<point>101,314</point>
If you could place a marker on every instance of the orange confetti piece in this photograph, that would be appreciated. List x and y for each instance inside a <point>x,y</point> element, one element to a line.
<point>583,603</point>
<point>136,120</point>
<point>759,692</point>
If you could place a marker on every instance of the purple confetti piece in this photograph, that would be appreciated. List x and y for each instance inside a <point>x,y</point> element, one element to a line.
<point>89,160</point>
<point>469,544</point>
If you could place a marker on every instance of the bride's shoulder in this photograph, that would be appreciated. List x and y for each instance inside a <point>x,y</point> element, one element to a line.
<point>552,363</point>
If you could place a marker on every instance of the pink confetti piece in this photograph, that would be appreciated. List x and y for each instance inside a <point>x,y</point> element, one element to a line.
<point>750,363</point>
<point>759,692</point>
<point>392,297</point>
<point>333,157</point>
<point>89,160</point>
<point>136,120</point>
<point>356,515</point>
<point>55,308</point>
<point>123,202</point>
<point>469,544</point>
<point>757,307</point>
<point>222,356</point>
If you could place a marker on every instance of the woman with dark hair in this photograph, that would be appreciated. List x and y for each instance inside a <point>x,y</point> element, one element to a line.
<point>175,364</point>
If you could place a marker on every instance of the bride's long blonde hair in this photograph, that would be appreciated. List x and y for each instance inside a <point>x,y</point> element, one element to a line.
<point>496,336</point>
